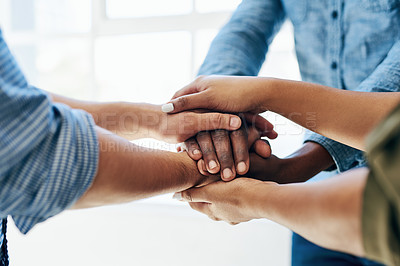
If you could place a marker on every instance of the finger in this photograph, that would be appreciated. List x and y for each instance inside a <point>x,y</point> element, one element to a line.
<point>189,89</point>
<point>193,87</point>
<point>223,149</point>
<point>197,100</point>
<point>193,149</point>
<point>261,124</point>
<point>240,149</point>
<point>201,207</point>
<point>213,121</point>
<point>252,136</point>
<point>199,194</point>
<point>262,148</point>
<point>201,165</point>
<point>207,148</point>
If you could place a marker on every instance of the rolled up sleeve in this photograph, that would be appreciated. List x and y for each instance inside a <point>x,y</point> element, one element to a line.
<point>385,78</point>
<point>48,152</point>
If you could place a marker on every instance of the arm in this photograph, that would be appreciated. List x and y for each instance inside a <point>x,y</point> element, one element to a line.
<point>127,172</point>
<point>347,116</point>
<point>298,167</point>
<point>241,45</point>
<point>334,113</point>
<point>141,120</point>
<point>317,211</point>
<point>385,78</point>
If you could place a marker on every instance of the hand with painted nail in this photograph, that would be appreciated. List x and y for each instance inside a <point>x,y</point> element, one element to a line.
<point>221,93</point>
<point>233,202</point>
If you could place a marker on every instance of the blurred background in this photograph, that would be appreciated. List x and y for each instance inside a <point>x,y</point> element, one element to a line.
<point>141,51</point>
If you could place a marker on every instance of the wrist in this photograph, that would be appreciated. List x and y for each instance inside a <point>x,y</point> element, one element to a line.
<point>260,199</point>
<point>138,120</point>
<point>190,175</point>
<point>305,163</point>
<point>269,92</point>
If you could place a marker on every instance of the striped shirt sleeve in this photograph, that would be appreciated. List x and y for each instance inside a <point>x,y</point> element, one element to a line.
<point>48,151</point>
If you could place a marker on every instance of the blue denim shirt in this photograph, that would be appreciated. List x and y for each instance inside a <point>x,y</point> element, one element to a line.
<point>346,44</point>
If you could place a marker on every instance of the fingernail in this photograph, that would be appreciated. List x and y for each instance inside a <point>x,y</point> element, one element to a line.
<point>195,152</point>
<point>241,167</point>
<point>235,122</point>
<point>212,164</point>
<point>227,173</point>
<point>166,108</point>
<point>203,166</point>
<point>177,196</point>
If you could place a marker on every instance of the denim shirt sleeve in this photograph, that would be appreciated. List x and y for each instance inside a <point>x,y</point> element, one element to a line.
<point>48,151</point>
<point>241,45</point>
<point>385,78</point>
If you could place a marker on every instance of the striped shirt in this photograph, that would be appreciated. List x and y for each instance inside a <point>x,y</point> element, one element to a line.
<point>48,151</point>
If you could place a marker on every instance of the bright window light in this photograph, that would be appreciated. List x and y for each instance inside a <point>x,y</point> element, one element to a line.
<point>147,8</point>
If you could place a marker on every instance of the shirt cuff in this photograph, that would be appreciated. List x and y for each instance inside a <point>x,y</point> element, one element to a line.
<point>345,157</point>
<point>73,155</point>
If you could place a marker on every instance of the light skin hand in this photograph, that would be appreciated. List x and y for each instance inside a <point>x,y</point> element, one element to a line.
<point>225,201</point>
<point>336,114</point>
<point>137,120</point>
<point>225,94</point>
<point>317,211</point>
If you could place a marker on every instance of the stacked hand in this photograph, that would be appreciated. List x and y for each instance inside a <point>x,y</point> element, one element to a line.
<point>221,150</point>
<point>227,152</point>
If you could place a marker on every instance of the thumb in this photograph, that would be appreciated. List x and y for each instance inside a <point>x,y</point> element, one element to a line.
<point>261,124</point>
<point>213,121</point>
<point>187,102</point>
<point>192,195</point>
<point>262,148</point>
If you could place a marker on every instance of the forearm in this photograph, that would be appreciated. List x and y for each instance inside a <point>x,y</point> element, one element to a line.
<point>128,120</point>
<point>127,172</point>
<point>327,213</point>
<point>305,163</point>
<point>345,116</point>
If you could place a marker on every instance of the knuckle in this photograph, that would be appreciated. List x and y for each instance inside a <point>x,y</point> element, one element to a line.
<point>208,151</point>
<point>239,133</point>
<point>220,135</point>
<point>182,101</point>
<point>202,135</point>
<point>241,152</point>
<point>200,78</point>
<point>225,158</point>
<point>187,196</point>
<point>217,119</point>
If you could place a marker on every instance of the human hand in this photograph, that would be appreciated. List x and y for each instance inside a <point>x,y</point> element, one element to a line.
<point>222,93</point>
<point>179,127</point>
<point>227,152</point>
<point>233,202</point>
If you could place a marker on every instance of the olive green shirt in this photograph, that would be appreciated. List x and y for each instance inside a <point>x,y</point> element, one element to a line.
<point>381,207</point>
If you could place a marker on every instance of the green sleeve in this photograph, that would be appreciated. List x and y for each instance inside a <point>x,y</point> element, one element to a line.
<point>381,205</point>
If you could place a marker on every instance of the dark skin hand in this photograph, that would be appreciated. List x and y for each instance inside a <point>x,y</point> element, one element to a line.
<point>227,152</point>
<point>299,167</point>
